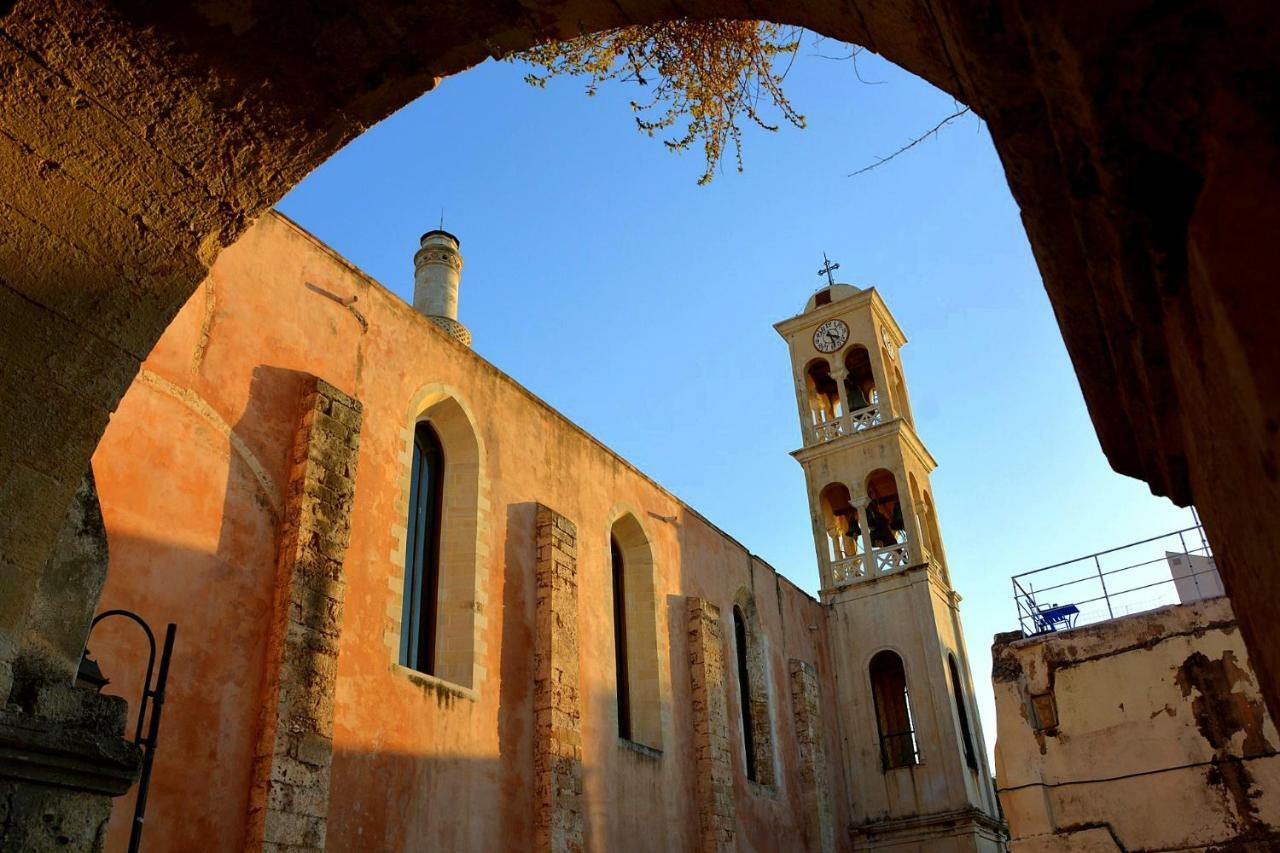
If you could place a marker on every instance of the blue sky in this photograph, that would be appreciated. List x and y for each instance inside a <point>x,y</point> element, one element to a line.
<point>641,305</point>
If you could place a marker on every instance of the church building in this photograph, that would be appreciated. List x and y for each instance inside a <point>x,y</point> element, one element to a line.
<point>419,609</point>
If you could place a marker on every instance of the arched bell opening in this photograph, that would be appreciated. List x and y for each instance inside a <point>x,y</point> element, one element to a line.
<point>900,394</point>
<point>918,507</point>
<point>859,380</point>
<point>845,541</point>
<point>884,510</point>
<point>824,394</point>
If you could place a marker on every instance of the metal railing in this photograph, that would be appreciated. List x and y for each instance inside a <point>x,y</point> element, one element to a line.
<point>899,750</point>
<point>1166,569</point>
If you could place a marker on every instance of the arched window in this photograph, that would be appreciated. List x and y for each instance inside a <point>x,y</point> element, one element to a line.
<point>620,638</point>
<point>441,629</point>
<point>962,709</point>
<point>893,711</point>
<point>744,691</point>
<point>859,381</point>
<point>844,531</point>
<point>824,394</point>
<point>884,512</point>
<point>930,523</point>
<point>917,505</point>
<point>422,557</point>
<point>753,688</point>
<point>635,634</point>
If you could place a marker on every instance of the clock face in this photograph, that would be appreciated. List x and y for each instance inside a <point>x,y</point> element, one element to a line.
<point>830,336</point>
<point>888,343</point>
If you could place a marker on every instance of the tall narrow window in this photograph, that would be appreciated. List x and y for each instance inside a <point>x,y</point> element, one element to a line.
<point>744,692</point>
<point>422,560</point>
<point>893,711</point>
<point>635,634</point>
<point>620,639</point>
<point>970,755</point>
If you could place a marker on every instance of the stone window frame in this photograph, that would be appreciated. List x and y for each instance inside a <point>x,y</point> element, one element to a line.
<point>646,675</point>
<point>463,597</point>
<point>758,688</point>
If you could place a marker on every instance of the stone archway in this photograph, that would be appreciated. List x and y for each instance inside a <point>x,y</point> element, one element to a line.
<point>137,140</point>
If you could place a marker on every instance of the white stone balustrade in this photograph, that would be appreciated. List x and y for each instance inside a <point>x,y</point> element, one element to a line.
<point>882,560</point>
<point>827,431</point>
<point>848,570</point>
<point>846,424</point>
<point>866,418</point>
<point>890,558</point>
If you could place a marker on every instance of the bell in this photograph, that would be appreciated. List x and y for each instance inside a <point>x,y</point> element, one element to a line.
<point>857,400</point>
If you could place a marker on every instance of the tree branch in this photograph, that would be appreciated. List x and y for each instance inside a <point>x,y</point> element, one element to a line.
<point>880,161</point>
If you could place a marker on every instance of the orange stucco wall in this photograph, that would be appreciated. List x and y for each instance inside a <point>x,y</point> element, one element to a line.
<point>191,475</point>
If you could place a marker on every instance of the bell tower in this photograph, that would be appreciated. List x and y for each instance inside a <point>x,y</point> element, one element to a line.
<point>912,748</point>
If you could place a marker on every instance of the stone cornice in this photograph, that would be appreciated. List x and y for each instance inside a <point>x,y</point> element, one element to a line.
<point>966,817</point>
<point>37,749</point>
<point>897,427</point>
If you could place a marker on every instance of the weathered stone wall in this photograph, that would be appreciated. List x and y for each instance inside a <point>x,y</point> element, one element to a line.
<point>812,755</point>
<point>1146,732</point>
<point>69,589</point>
<point>63,755</point>
<point>64,762</point>
<point>557,707</point>
<point>290,795</point>
<point>716,811</point>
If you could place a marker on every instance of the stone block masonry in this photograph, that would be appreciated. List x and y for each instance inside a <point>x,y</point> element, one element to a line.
<point>805,707</point>
<point>290,794</point>
<point>557,707</point>
<point>716,809</point>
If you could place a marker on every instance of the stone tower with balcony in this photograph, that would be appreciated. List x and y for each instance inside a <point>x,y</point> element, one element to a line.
<point>912,746</point>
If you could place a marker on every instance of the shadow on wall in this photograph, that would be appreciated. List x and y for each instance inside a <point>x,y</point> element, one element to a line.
<point>515,734</point>
<point>183,550</point>
<point>427,814</point>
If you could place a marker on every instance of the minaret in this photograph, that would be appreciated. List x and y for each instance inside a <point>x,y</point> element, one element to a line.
<point>437,271</point>
<point>914,753</point>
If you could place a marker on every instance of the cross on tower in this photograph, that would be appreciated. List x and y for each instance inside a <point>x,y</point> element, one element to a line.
<point>827,269</point>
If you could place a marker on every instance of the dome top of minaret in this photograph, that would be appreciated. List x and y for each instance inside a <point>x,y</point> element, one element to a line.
<point>830,293</point>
